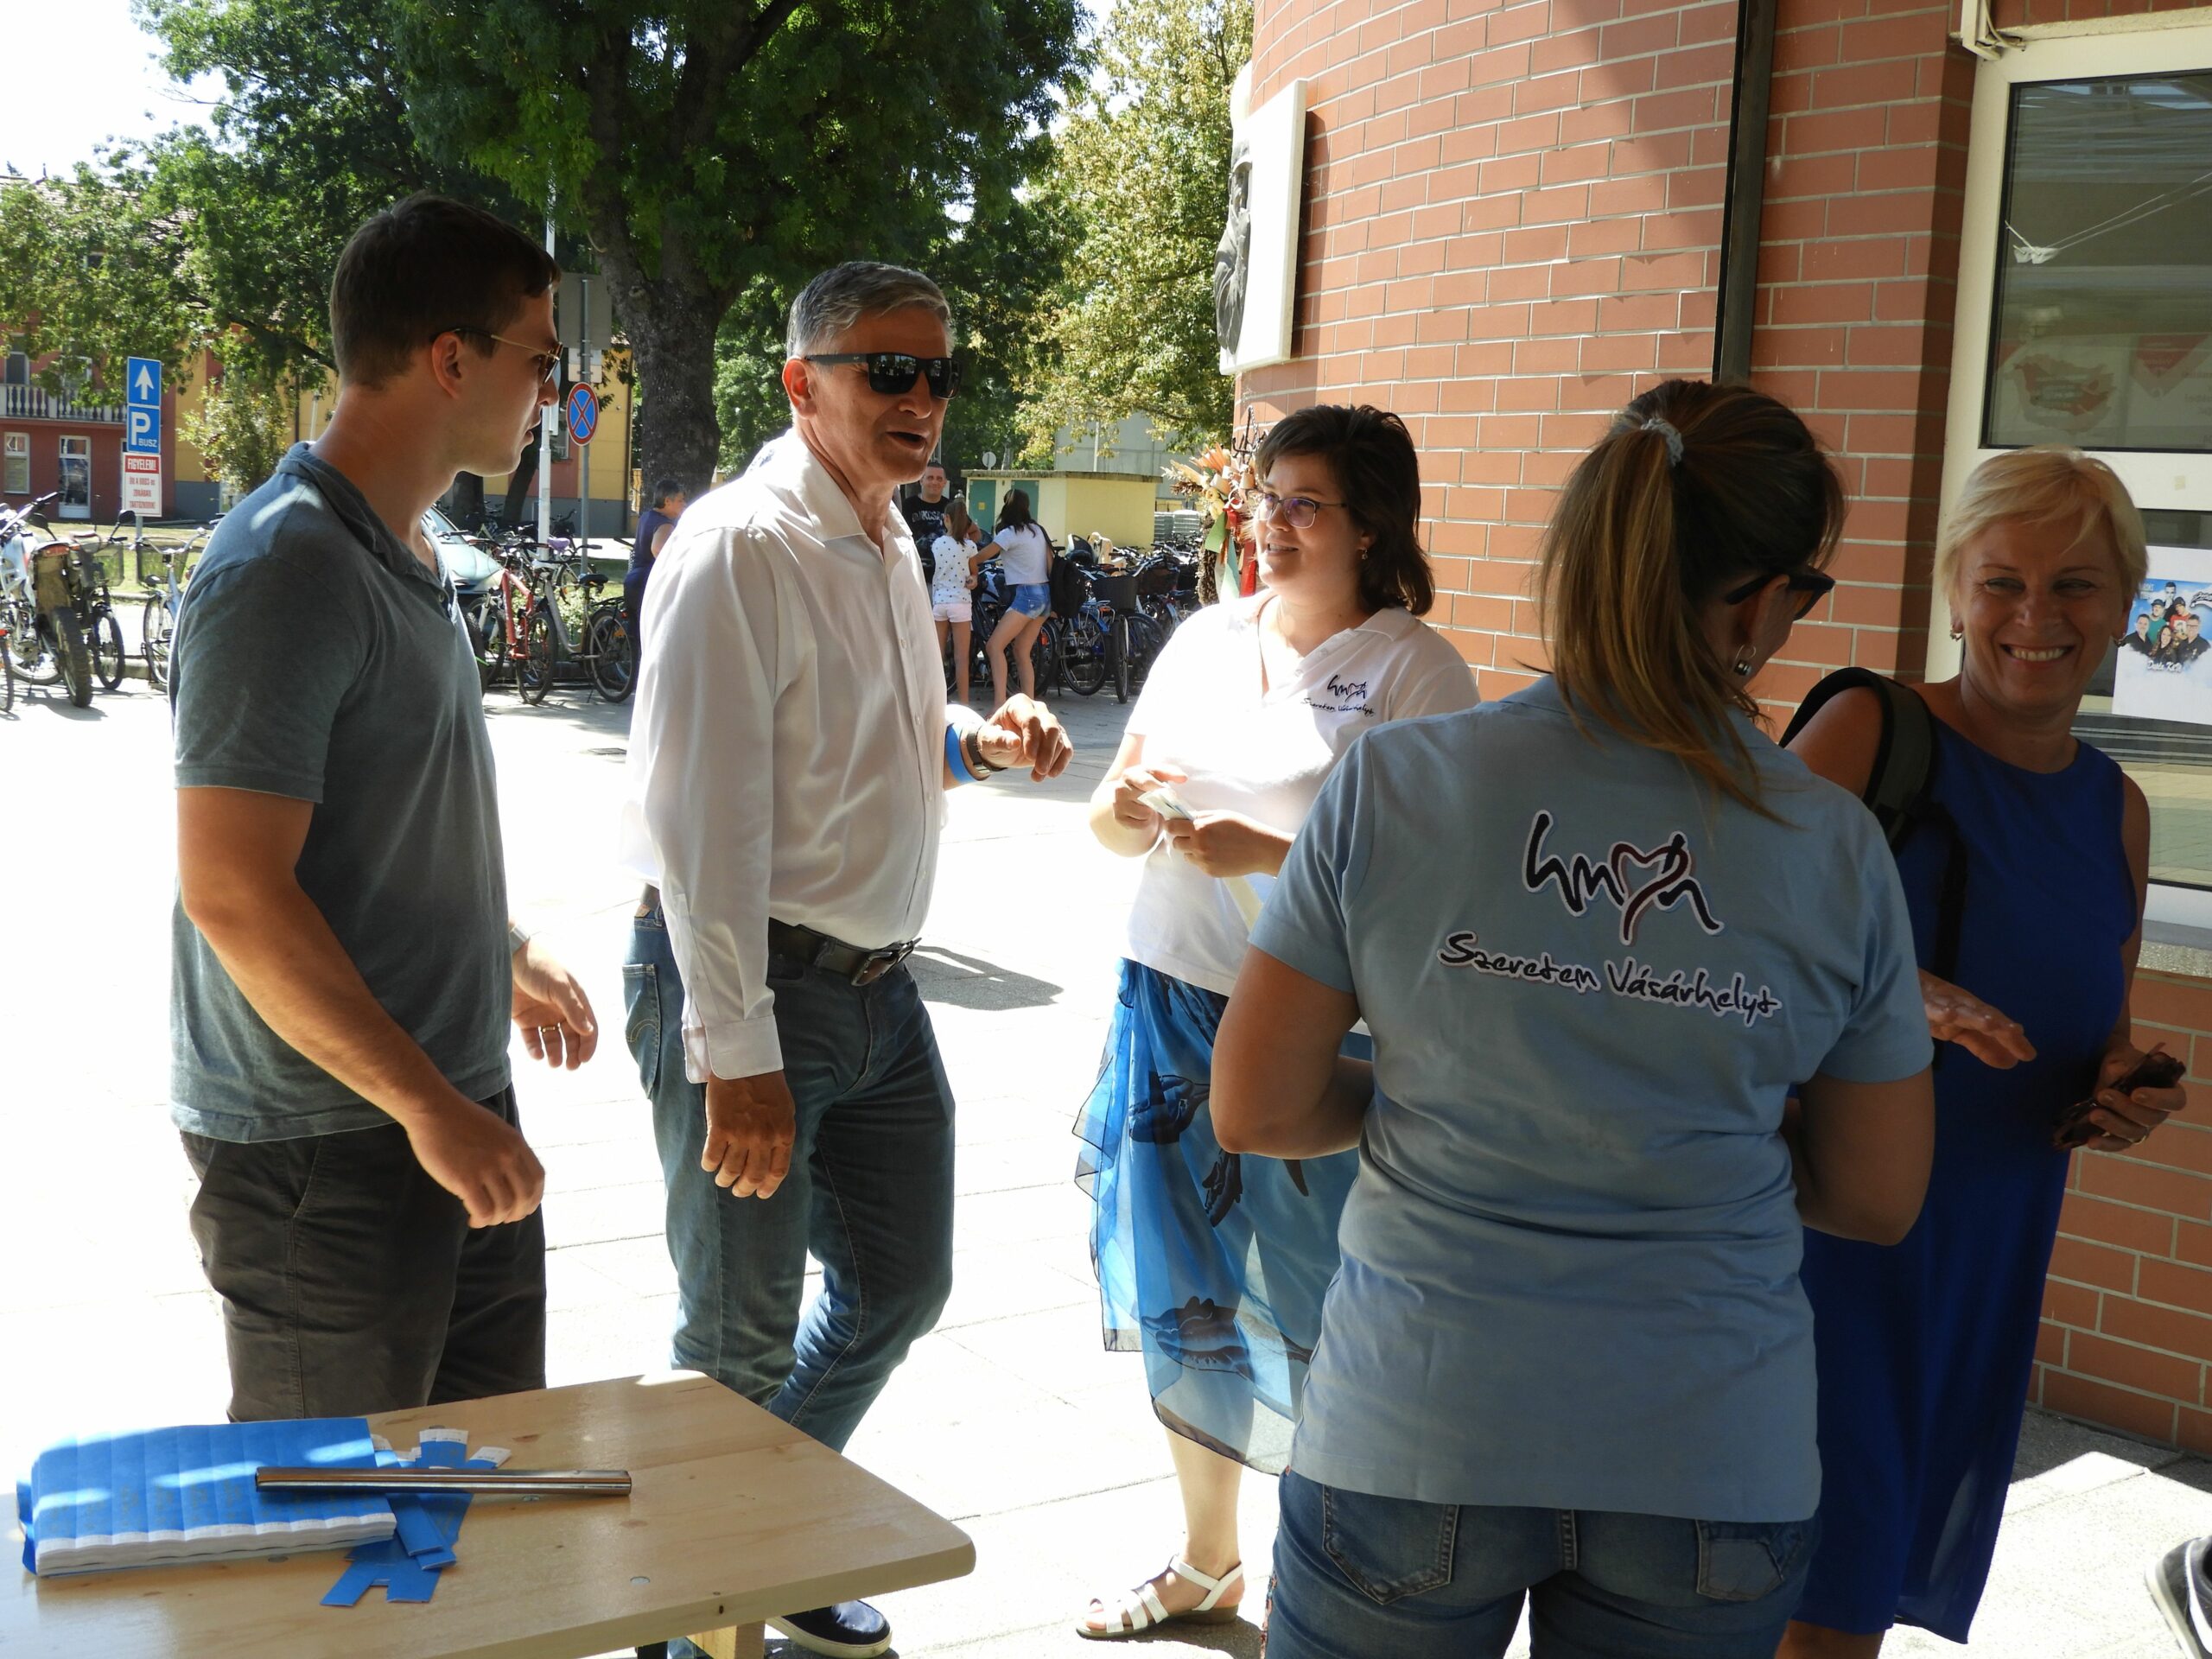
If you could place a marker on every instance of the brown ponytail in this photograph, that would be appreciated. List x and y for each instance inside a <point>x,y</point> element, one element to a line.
<point>1696,488</point>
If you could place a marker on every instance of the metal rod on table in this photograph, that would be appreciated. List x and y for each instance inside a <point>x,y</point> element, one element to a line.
<point>586,1483</point>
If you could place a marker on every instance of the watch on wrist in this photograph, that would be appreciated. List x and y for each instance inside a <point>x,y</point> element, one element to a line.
<point>971,746</point>
<point>518,936</point>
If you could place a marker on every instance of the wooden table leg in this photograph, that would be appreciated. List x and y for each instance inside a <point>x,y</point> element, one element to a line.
<point>745,1642</point>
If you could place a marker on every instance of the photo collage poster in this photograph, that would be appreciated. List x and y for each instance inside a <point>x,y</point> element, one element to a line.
<point>2164,670</point>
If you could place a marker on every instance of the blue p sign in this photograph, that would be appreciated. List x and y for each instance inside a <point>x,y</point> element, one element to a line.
<point>143,433</point>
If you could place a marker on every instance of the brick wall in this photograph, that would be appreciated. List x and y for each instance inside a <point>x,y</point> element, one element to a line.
<point>1513,225</point>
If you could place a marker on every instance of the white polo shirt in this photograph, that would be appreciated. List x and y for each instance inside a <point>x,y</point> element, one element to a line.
<point>1265,755</point>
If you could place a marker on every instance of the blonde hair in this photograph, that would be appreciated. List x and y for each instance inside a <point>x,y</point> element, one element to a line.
<point>2049,484</point>
<point>1696,488</point>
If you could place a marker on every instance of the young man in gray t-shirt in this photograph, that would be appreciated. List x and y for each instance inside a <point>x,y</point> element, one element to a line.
<point>344,966</point>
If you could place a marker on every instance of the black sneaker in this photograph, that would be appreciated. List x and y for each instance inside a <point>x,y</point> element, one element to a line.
<point>851,1630</point>
<point>2178,1584</point>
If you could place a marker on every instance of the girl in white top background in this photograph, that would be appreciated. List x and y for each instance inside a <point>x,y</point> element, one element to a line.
<point>1213,1265</point>
<point>1025,553</point>
<point>956,556</point>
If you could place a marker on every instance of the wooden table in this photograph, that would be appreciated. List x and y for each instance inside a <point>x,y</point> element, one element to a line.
<point>734,1518</point>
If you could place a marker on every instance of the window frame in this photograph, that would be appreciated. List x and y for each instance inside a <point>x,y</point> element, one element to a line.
<point>2090,49</point>
<point>15,450</point>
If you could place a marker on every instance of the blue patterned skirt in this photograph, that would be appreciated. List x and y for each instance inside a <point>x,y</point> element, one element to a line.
<point>1212,1265</point>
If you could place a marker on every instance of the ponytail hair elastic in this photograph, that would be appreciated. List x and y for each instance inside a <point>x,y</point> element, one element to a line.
<point>1666,429</point>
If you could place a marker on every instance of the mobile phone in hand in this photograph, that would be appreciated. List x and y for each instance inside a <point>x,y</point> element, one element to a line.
<point>2157,1070</point>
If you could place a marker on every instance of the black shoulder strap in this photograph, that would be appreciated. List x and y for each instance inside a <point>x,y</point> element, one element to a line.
<point>1898,792</point>
<point>1905,758</point>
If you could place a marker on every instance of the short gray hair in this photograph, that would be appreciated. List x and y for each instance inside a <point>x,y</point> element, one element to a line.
<point>840,296</point>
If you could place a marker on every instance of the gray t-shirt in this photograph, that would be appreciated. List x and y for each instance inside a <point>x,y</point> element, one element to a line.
<point>1570,1258</point>
<point>317,659</point>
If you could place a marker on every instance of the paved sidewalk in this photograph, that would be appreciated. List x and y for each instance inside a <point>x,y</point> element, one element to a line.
<point>1009,1418</point>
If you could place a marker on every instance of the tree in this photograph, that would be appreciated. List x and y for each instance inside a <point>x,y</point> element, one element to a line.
<point>244,425</point>
<point>712,151</point>
<point>1139,180</point>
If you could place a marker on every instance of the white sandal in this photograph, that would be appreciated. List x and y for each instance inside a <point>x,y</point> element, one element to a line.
<point>1141,1608</point>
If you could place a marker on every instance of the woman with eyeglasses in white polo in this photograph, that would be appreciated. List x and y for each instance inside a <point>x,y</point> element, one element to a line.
<point>1213,1266</point>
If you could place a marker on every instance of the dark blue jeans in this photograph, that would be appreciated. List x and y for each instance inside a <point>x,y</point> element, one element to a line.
<point>1356,1576</point>
<point>869,1192</point>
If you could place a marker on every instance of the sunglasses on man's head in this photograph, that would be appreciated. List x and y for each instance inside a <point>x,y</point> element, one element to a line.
<point>1811,587</point>
<point>893,372</point>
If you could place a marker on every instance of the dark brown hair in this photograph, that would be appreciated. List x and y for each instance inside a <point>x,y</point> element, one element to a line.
<point>1696,489</point>
<point>423,265</point>
<point>1371,455</point>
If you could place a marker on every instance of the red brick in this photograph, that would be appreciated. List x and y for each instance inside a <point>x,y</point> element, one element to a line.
<point>2183,1335</point>
<point>2099,1402</point>
<point>2071,1305</point>
<point>2172,1376</point>
<point>2167,1192</point>
<point>2175,1286</point>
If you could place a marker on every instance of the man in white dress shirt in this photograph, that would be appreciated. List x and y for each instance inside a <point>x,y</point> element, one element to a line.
<point>788,763</point>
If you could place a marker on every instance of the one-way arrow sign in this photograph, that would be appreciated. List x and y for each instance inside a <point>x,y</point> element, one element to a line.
<point>142,384</point>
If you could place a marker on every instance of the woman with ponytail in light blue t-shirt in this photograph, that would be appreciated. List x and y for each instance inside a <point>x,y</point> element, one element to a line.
<point>1604,932</point>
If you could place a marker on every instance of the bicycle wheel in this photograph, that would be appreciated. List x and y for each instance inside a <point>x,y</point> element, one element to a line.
<point>7,678</point>
<point>107,640</point>
<point>535,672</point>
<point>1122,655</point>
<point>30,653</point>
<point>156,626</point>
<point>76,659</point>
<point>611,650</point>
<point>1083,654</point>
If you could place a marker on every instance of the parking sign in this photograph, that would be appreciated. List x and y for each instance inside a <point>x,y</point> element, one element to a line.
<point>142,432</point>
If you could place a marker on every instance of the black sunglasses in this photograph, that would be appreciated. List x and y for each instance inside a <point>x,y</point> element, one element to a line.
<point>893,372</point>
<point>1811,587</point>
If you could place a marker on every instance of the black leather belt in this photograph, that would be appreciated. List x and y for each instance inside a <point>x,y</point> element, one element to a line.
<point>835,956</point>
<point>817,949</point>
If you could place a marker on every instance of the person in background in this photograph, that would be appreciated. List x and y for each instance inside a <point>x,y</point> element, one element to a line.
<point>2144,641</point>
<point>1603,932</point>
<point>1212,1265</point>
<point>925,517</point>
<point>343,966</point>
<point>789,760</point>
<point>955,555</point>
<point>655,525</point>
<point>1926,1344</point>
<point>1025,553</point>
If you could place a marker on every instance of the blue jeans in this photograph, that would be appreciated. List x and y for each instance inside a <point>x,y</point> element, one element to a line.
<point>869,1192</point>
<point>1356,1576</point>
<point>1032,598</point>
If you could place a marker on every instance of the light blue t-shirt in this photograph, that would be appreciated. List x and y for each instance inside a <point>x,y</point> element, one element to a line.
<point>1570,1256</point>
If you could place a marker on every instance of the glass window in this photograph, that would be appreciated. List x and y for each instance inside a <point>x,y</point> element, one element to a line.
<point>18,369</point>
<point>15,472</point>
<point>2102,334</point>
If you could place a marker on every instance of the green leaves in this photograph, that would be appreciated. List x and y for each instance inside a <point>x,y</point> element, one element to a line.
<point>1140,185</point>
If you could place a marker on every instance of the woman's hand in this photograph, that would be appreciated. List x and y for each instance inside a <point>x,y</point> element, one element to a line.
<point>2127,1120</point>
<point>1129,790</point>
<point>1229,843</point>
<point>1960,1017</point>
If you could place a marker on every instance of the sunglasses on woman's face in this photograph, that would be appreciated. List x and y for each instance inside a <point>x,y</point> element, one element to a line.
<point>893,372</point>
<point>1811,587</point>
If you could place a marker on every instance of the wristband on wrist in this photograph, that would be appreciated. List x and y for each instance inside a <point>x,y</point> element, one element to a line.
<point>979,763</point>
<point>955,757</point>
<point>518,936</point>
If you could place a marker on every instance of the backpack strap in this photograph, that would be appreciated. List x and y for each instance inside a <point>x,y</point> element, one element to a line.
<point>1899,791</point>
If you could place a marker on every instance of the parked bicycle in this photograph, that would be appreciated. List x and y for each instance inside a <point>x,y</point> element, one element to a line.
<point>40,590</point>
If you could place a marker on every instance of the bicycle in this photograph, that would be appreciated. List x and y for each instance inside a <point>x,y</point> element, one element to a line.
<point>499,629</point>
<point>1130,638</point>
<point>103,633</point>
<point>158,615</point>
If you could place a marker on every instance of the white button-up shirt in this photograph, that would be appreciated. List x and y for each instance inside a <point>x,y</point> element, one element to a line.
<point>787,750</point>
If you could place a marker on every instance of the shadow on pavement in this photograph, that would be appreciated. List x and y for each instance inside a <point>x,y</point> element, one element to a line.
<point>970,982</point>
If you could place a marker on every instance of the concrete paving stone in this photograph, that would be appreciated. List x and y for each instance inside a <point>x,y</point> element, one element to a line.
<point>573,1285</point>
<point>640,1266</point>
<point>998,1284</point>
<point>587,1165</point>
<point>1057,1349</point>
<point>942,1383</point>
<point>1054,1211</point>
<point>598,1215</point>
<point>1018,1161</point>
<point>1040,1455</point>
<point>619,1339</point>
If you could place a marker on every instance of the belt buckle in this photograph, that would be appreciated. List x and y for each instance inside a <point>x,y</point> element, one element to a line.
<point>880,962</point>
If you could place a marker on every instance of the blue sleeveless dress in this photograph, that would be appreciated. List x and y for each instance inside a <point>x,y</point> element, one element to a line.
<point>1925,1349</point>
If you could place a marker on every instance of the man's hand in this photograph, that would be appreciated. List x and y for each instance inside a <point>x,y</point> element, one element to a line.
<point>1960,1017</point>
<point>1023,733</point>
<point>551,1010</point>
<point>1130,789</point>
<point>2127,1120</point>
<point>751,1124</point>
<point>1229,843</point>
<point>480,1158</point>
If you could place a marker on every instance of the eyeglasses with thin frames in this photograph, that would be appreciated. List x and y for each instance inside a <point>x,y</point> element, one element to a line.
<point>1811,587</point>
<point>890,373</point>
<point>1299,511</point>
<point>548,363</point>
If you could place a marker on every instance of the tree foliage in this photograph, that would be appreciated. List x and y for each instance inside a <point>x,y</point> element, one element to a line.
<point>1139,187</point>
<point>718,150</point>
<point>244,425</point>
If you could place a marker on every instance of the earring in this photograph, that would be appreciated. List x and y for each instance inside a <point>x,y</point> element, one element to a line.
<point>1742,665</point>
<point>1958,631</point>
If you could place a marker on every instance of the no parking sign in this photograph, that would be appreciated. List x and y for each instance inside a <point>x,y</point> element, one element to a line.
<point>582,413</point>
